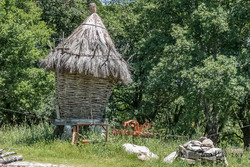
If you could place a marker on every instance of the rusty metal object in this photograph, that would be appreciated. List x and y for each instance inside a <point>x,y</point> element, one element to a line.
<point>76,134</point>
<point>136,129</point>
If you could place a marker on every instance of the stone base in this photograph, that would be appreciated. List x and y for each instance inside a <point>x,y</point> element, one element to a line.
<point>64,127</point>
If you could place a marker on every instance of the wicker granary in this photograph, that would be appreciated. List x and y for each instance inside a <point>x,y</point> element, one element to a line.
<point>86,66</point>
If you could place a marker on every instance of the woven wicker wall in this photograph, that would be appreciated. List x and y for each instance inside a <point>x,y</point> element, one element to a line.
<point>82,96</point>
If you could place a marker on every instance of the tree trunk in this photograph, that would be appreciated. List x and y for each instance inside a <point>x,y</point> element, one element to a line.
<point>246,137</point>
<point>211,128</point>
<point>212,121</point>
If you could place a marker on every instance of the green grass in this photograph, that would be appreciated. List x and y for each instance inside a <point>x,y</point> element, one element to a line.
<point>37,144</point>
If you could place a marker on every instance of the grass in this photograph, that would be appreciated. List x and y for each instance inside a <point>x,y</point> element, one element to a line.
<point>38,144</point>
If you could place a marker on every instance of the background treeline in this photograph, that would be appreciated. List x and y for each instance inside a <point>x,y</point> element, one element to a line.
<point>190,59</point>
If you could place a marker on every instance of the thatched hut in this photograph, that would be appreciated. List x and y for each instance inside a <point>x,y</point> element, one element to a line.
<point>86,66</point>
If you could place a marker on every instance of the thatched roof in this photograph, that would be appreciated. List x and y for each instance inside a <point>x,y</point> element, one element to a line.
<point>89,50</point>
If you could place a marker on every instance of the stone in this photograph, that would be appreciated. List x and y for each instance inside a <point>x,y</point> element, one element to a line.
<point>186,144</point>
<point>207,143</point>
<point>67,132</point>
<point>212,158</point>
<point>194,148</point>
<point>181,148</point>
<point>221,157</point>
<point>213,151</point>
<point>205,148</point>
<point>143,156</point>
<point>195,143</point>
<point>189,161</point>
<point>170,158</point>
<point>198,150</point>
<point>142,152</point>
<point>192,155</point>
<point>202,139</point>
<point>225,161</point>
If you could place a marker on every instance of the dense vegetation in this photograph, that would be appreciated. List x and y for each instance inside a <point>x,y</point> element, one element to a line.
<point>36,144</point>
<point>190,59</point>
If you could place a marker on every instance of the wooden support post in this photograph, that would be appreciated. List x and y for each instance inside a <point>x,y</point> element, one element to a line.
<point>74,135</point>
<point>77,133</point>
<point>91,124</point>
<point>106,137</point>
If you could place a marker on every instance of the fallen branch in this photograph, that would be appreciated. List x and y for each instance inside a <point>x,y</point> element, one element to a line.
<point>7,154</point>
<point>11,159</point>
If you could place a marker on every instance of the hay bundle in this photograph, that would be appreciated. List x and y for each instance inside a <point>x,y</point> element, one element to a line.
<point>86,66</point>
<point>89,50</point>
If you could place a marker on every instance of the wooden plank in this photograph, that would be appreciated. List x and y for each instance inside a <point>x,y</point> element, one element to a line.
<point>72,121</point>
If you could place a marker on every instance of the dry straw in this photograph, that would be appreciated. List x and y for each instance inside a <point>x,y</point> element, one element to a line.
<point>89,50</point>
<point>86,66</point>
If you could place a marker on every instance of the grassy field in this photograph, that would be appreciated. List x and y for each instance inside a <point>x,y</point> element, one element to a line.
<point>37,144</point>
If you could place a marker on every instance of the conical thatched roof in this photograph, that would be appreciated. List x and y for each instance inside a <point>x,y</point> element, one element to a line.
<point>89,50</point>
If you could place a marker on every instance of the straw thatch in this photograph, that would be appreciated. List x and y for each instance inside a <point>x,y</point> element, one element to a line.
<point>86,66</point>
<point>89,50</point>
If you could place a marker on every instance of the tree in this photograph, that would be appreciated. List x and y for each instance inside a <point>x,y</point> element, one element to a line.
<point>63,16</point>
<point>23,41</point>
<point>193,42</point>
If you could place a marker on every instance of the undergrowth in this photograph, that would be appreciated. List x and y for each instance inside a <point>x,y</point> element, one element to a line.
<point>38,144</point>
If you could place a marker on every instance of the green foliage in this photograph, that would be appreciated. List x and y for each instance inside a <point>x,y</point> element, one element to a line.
<point>190,66</point>
<point>63,16</point>
<point>190,61</point>
<point>23,39</point>
<point>38,145</point>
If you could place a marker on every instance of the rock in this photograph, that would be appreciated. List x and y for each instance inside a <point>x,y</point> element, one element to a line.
<point>220,156</point>
<point>143,156</point>
<point>213,151</point>
<point>189,161</point>
<point>142,152</point>
<point>192,155</point>
<point>205,148</point>
<point>194,148</point>
<point>170,158</point>
<point>202,139</point>
<point>186,144</point>
<point>195,143</point>
<point>181,148</point>
<point>225,161</point>
<point>207,143</point>
<point>213,158</point>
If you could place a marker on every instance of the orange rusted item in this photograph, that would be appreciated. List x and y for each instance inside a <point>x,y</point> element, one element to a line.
<point>73,135</point>
<point>137,130</point>
<point>86,141</point>
<point>76,134</point>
